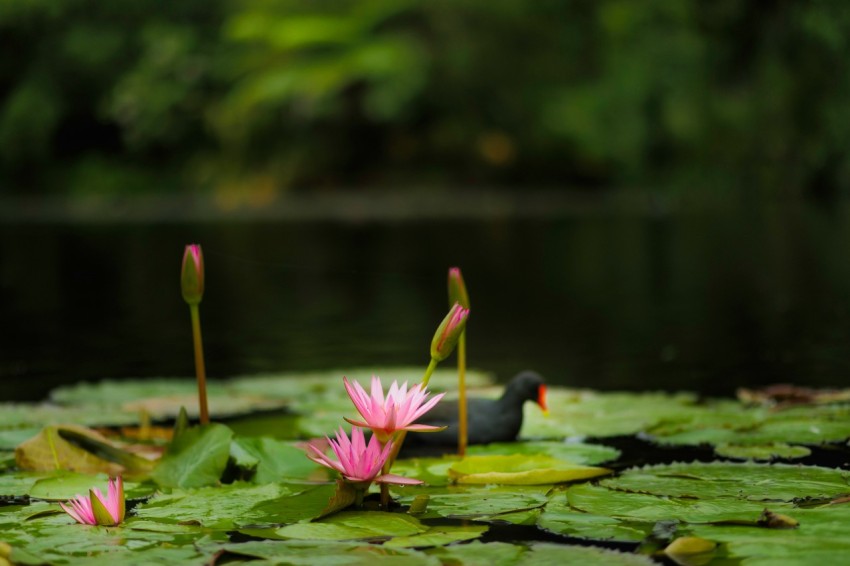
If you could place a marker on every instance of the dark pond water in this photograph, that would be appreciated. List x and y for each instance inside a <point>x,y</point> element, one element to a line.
<point>703,301</point>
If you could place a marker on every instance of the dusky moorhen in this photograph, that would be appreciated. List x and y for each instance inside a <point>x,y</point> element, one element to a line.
<point>489,420</point>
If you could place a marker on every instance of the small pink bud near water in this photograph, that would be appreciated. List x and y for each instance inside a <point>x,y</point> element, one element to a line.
<point>447,334</point>
<point>457,288</point>
<point>97,509</point>
<point>192,274</point>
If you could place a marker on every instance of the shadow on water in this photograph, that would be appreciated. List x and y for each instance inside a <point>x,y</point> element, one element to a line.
<point>674,301</point>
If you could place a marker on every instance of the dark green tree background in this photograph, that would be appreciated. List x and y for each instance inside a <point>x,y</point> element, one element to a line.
<point>262,96</point>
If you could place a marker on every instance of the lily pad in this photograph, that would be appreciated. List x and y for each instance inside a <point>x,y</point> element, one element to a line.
<point>212,507</point>
<point>196,458</point>
<point>475,503</point>
<point>569,555</point>
<point>762,451</point>
<point>438,536</point>
<point>66,485</point>
<point>477,553</point>
<point>520,470</point>
<point>573,452</point>
<point>575,413</point>
<point>306,553</point>
<point>275,461</point>
<point>775,482</point>
<point>561,518</point>
<point>308,502</point>
<point>354,525</point>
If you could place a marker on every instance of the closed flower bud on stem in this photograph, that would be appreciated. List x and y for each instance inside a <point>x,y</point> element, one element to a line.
<point>447,334</point>
<point>457,288</point>
<point>192,274</point>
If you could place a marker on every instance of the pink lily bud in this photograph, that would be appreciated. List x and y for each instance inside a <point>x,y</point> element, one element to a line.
<point>457,288</point>
<point>446,337</point>
<point>97,508</point>
<point>192,274</point>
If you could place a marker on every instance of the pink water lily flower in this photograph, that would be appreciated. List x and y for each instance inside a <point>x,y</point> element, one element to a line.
<point>357,461</point>
<point>397,411</point>
<point>97,509</point>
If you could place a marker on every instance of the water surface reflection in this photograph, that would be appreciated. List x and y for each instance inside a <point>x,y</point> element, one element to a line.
<point>704,301</point>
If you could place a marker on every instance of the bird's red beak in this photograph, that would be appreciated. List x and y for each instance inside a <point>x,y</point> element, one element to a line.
<point>541,399</point>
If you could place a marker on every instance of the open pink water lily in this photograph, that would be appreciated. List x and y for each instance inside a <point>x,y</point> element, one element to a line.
<point>97,509</point>
<point>357,461</point>
<point>397,411</point>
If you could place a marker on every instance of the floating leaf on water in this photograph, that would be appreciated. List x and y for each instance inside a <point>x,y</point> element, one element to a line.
<point>213,507</point>
<point>478,502</point>
<point>275,460</point>
<point>196,458</point>
<point>306,553</point>
<point>66,485</point>
<point>573,452</point>
<point>308,503</point>
<point>762,451</point>
<point>354,525</point>
<point>575,413</point>
<point>571,555</point>
<point>438,536</point>
<point>778,482</point>
<point>520,470</point>
<point>477,553</point>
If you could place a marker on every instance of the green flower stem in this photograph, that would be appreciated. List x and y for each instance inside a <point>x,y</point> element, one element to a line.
<point>428,372</point>
<point>385,489</point>
<point>200,370</point>
<point>462,431</point>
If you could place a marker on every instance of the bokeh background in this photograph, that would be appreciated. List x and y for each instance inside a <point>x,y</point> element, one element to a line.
<point>642,194</point>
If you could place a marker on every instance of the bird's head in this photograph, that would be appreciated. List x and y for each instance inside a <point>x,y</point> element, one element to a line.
<point>528,386</point>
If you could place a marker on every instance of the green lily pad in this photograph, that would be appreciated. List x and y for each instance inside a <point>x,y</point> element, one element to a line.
<point>574,452</point>
<point>15,416</point>
<point>561,518</point>
<point>776,482</point>
<point>438,536</point>
<point>217,507</point>
<point>57,539</point>
<point>18,483</point>
<point>354,525</point>
<point>196,458</point>
<point>306,553</point>
<point>9,439</point>
<point>308,503</point>
<point>569,555</point>
<point>276,461</point>
<point>477,553</point>
<point>585,413</point>
<point>820,539</point>
<point>520,470</point>
<point>761,451</point>
<point>66,485</point>
<point>475,503</point>
<point>432,471</point>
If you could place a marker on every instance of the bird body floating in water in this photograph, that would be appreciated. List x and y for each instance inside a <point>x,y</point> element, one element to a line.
<point>490,420</point>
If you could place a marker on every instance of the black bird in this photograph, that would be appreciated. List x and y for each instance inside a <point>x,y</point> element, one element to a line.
<point>488,420</point>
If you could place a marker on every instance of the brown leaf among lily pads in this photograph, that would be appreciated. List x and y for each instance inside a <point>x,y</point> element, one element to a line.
<point>785,395</point>
<point>78,449</point>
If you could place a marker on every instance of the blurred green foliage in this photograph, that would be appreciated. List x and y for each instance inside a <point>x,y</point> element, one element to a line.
<point>261,95</point>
